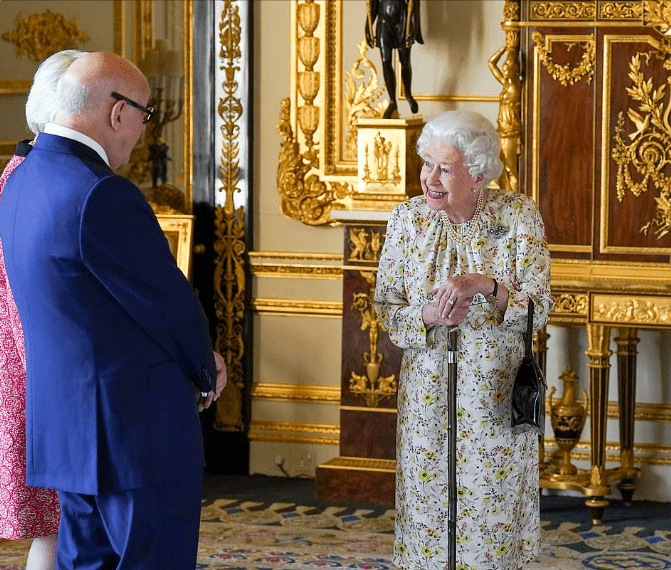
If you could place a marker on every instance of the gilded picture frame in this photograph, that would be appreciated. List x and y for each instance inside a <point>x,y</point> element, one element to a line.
<point>178,230</point>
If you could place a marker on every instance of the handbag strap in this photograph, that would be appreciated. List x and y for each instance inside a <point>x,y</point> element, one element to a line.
<point>528,339</point>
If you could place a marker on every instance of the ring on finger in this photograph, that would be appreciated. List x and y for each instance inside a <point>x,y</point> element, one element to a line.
<point>450,301</point>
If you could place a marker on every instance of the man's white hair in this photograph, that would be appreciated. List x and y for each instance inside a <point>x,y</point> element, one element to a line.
<point>42,103</point>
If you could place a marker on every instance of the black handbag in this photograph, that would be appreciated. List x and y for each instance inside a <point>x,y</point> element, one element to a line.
<point>529,387</point>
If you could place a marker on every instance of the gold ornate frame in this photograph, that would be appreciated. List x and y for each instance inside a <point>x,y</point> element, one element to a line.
<point>178,230</point>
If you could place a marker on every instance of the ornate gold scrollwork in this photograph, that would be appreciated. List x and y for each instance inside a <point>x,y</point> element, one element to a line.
<point>41,35</point>
<point>229,245</point>
<point>621,10</point>
<point>649,152</point>
<point>306,199</point>
<point>371,385</point>
<point>365,244</point>
<point>360,96</point>
<point>568,303</point>
<point>563,73</point>
<point>563,10</point>
<point>657,13</point>
<point>640,311</point>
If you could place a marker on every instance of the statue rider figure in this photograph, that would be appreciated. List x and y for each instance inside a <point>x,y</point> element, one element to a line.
<point>396,28</point>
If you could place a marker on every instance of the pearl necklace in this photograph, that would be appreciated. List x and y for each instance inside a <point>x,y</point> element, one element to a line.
<point>465,232</point>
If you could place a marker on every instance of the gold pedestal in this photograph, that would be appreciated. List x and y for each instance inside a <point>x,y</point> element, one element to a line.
<point>388,162</point>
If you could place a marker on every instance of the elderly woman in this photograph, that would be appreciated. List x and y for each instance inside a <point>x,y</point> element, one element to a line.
<point>468,256</point>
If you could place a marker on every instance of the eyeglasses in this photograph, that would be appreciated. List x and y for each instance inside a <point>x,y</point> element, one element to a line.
<point>149,110</point>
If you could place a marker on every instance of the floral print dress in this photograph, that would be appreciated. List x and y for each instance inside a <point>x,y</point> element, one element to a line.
<point>498,525</point>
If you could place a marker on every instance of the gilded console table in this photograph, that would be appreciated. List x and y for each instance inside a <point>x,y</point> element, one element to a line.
<point>596,158</point>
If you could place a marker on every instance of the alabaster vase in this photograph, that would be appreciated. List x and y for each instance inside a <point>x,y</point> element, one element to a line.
<point>567,417</point>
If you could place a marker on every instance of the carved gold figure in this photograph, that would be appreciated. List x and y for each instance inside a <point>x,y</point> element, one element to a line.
<point>509,122</point>
<point>371,385</point>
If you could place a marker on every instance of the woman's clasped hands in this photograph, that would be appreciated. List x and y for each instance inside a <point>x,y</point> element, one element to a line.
<point>452,300</point>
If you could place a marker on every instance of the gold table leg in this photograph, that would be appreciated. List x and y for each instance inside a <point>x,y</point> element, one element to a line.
<point>598,340</point>
<point>626,341</point>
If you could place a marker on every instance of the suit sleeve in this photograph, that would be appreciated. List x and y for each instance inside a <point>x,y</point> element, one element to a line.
<point>123,245</point>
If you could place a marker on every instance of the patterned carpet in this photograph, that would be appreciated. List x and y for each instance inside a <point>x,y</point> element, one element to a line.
<point>237,533</point>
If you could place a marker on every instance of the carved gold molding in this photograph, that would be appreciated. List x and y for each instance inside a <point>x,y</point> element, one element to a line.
<point>563,10</point>
<point>564,73</point>
<point>15,86</point>
<point>621,10</point>
<point>296,271</point>
<point>566,303</point>
<point>640,310</point>
<point>230,231</point>
<point>311,393</point>
<point>644,453</point>
<point>360,464</point>
<point>297,308</point>
<point>287,432</point>
<point>42,34</point>
<point>298,255</point>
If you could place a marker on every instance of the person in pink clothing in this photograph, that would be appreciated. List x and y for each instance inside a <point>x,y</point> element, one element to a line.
<point>25,512</point>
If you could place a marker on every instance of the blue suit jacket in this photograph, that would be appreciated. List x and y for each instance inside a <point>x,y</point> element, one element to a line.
<point>115,336</point>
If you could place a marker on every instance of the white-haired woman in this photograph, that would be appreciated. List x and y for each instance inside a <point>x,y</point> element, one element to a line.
<point>469,256</point>
<point>26,512</point>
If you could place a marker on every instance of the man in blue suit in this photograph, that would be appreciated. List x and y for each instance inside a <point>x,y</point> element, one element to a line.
<point>118,353</point>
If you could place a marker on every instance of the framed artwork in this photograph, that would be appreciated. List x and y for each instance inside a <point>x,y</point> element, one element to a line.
<point>178,230</point>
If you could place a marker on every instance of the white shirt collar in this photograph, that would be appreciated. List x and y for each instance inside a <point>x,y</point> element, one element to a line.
<point>68,133</point>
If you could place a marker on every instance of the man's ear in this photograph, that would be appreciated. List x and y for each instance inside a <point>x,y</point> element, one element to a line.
<point>115,115</point>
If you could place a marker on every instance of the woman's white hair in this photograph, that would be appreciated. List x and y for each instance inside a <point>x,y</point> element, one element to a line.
<point>472,134</point>
<point>43,99</point>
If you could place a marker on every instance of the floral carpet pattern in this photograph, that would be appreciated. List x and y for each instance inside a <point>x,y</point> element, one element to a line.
<point>284,536</point>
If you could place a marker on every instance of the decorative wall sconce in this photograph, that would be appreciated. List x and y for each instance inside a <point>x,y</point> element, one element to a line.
<point>163,67</point>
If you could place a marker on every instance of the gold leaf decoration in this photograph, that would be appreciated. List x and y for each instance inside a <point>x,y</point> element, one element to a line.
<point>642,163</point>
<point>563,73</point>
<point>41,35</point>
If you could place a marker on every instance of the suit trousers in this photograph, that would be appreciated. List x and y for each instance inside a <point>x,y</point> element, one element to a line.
<point>150,528</point>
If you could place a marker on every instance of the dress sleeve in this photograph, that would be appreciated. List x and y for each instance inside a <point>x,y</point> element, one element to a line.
<point>531,278</point>
<point>402,320</point>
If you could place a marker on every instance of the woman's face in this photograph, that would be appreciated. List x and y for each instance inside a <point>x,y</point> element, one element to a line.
<point>445,180</point>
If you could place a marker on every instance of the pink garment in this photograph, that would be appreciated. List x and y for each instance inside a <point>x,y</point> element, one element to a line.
<point>25,512</point>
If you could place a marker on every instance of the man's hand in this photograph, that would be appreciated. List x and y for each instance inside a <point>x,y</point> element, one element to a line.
<point>206,401</point>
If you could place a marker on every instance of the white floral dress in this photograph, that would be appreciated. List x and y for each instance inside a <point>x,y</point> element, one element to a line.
<point>498,524</point>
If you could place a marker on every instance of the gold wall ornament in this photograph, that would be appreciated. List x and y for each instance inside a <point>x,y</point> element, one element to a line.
<point>230,232</point>
<point>621,10</point>
<point>381,163</point>
<point>648,154</point>
<point>371,385</point>
<point>302,197</point>
<point>570,303</point>
<point>640,310</point>
<point>657,13</point>
<point>563,10</point>
<point>511,10</point>
<point>308,80</point>
<point>360,95</point>
<point>563,73</point>
<point>40,35</point>
<point>365,244</point>
<point>509,120</point>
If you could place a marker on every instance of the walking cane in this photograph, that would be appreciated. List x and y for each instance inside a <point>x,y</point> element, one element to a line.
<point>452,448</point>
